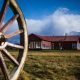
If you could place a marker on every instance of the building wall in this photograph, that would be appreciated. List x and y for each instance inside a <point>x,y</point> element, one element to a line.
<point>34,45</point>
<point>54,46</point>
<point>70,46</point>
<point>78,46</point>
<point>64,45</point>
<point>39,45</point>
<point>34,42</point>
<point>45,45</point>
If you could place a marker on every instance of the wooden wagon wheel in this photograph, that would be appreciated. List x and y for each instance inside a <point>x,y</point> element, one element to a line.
<point>19,62</point>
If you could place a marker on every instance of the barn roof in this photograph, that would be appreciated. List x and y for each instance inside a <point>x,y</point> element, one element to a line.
<point>57,38</point>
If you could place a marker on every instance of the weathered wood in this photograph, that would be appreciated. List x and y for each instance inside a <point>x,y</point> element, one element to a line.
<point>4,68</point>
<point>3,11</point>
<point>23,47</point>
<point>9,23</point>
<point>9,56</point>
<point>15,45</point>
<point>13,34</point>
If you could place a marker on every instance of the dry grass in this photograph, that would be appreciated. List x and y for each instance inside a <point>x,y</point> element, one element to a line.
<point>53,65</point>
<point>54,53</point>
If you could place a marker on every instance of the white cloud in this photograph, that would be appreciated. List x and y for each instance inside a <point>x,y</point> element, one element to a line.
<point>60,22</point>
<point>66,21</point>
<point>36,25</point>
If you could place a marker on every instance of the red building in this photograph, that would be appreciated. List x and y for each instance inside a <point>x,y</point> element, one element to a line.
<point>54,42</point>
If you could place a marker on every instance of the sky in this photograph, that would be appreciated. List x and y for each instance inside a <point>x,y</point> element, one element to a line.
<point>51,17</point>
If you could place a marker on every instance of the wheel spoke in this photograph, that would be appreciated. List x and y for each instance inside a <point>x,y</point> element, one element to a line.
<point>14,45</point>
<point>3,10</point>
<point>4,68</point>
<point>7,54</point>
<point>13,34</point>
<point>9,23</point>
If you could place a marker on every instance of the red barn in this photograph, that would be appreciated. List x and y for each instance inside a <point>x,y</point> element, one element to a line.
<point>54,42</point>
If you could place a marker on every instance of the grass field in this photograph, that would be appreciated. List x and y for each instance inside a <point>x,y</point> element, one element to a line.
<point>53,65</point>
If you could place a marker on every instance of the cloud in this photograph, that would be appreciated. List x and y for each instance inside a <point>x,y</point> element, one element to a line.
<point>36,25</point>
<point>66,21</point>
<point>60,22</point>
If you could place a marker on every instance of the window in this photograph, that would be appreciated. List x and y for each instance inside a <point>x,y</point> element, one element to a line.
<point>38,44</point>
<point>74,45</point>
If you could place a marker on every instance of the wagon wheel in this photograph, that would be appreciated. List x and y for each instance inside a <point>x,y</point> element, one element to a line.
<point>19,62</point>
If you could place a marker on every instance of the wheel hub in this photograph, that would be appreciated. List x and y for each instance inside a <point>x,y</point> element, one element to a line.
<point>2,39</point>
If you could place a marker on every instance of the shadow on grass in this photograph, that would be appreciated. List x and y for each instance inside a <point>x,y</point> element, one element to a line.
<point>77,73</point>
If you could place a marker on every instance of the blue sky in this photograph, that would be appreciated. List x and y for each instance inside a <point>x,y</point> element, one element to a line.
<point>37,9</point>
<point>50,17</point>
